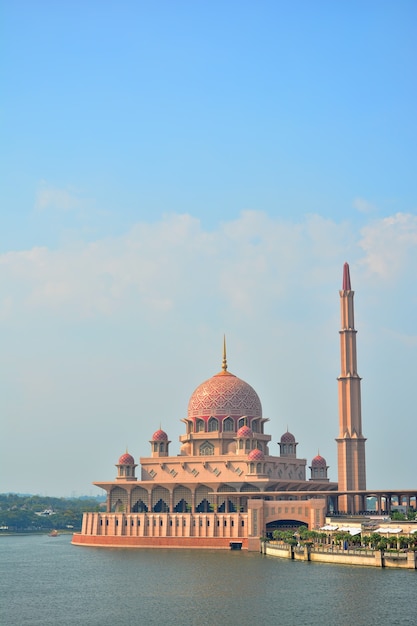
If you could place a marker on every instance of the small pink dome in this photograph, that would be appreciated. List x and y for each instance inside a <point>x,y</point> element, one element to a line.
<point>160,435</point>
<point>287,438</point>
<point>126,459</point>
<point>318,461</point>
<point>244,431</point>
<point>256,455</point>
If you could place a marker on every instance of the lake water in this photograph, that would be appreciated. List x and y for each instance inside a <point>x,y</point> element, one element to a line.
<point>47,581</point>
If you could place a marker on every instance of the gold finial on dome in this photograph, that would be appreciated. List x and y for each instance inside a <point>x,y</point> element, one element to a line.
<point>224,364</point>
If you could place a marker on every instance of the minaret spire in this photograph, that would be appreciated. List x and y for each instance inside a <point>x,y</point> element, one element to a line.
<point>346,278</point>
<point>350,442</point>
<point>224,363</point>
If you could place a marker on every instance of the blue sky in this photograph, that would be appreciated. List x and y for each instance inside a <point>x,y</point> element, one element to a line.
<point>171,171</point>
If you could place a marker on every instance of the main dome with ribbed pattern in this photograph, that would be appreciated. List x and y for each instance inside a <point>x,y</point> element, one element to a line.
<point>224,394</point>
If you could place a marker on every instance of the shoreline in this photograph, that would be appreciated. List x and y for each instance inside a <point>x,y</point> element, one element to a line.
<point>367,557</point>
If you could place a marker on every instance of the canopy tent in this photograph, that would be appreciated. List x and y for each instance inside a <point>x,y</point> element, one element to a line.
<point>348,529</point>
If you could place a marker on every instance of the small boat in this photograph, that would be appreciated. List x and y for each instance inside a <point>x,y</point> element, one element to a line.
<point>53,533</point>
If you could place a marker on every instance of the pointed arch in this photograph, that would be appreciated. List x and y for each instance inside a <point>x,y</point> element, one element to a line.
<point>248,487</point>
<point>226,504</point>
<point>213,425</point>
<point>228,425</point>
<point>206,449</point>
<point>181,499</point>
<point>204,499</point>
<point>160,500</point>
<point>118,500</point>
<point>140,500</point>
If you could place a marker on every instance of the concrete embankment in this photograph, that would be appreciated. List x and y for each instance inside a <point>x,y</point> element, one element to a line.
<point>332,554</point>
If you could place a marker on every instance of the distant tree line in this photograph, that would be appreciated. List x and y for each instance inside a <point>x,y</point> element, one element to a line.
<point>26,513</point>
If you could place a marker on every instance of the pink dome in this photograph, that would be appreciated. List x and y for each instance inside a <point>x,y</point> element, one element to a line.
<point>160,435</point>
<point>224,394</point>
<point>256,455</point>
<point>318,461</point>
<point>244,431</point>
<point>287,438</point>
<point>126,459</point>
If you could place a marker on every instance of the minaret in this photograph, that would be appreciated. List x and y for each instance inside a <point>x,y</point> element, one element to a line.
<point>350,442</point>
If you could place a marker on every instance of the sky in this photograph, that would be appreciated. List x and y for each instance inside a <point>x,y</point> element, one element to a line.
<point>175,171</point>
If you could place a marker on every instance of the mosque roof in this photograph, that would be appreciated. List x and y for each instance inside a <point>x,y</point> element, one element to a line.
<point>318,461</point>
<point>126,459</point>
<point>256,455</point>
<point>224,394</point>
<point>244,431</point>
<point>160,435</point>
<point>287,438</point>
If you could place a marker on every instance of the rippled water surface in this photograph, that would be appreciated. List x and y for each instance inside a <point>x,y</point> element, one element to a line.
<point>47,581</point>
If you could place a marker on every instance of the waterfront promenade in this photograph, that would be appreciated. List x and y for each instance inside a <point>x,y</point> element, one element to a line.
<point>322,553</point>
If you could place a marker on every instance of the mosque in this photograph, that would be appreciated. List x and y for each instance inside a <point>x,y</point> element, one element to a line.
<point>225,488</point>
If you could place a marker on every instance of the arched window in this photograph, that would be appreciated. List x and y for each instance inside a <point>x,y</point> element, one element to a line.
<point>242,422</point>
<point>228,425</point>
<point>213,425</point>
<point>259,468</point>
<point>204,499</point>
<point>206,449</point>
<point>161,446</point>
<point>249,487</point>
<point>139,500</point>
<point>200,426</point>
<point>255,426</point>
<point>226,504</point>
<point>160,500</point>
<point>118,500</point>
<point>182,499</point>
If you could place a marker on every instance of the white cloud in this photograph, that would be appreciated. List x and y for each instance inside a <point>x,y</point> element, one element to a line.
<point>390,244</point>
<point>49,197</point>
<point>176,263</point>
<point>363,206</point>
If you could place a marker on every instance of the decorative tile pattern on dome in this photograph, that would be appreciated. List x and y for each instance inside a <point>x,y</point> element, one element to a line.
<point>318,461</point>
<point>244,431</point>
<point>224,395</point>
<point>287,438</point>
<point>126,459</point>
<point>160,435</point>
<point>256,455</point>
